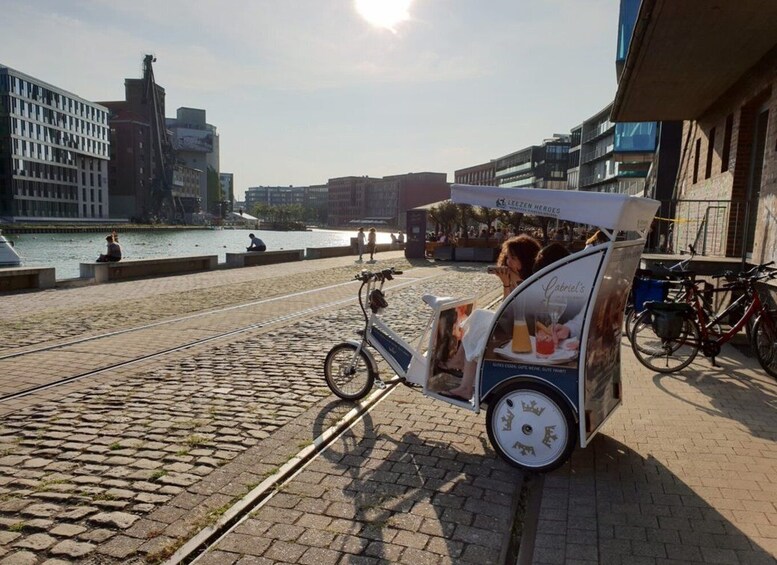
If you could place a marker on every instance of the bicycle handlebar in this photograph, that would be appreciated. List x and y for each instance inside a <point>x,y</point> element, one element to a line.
<point>755,273</point>
<point>382,275</point>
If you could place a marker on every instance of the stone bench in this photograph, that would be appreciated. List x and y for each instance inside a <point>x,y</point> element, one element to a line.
<point>255,258</point>
<point>325,252</point>
<point>139,268</point>
<point>26,278</point>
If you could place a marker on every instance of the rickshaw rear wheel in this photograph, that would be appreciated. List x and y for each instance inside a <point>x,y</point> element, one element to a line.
<point>348,375</point>
<point>531,427</point>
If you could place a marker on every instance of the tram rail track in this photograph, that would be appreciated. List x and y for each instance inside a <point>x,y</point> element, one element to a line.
<point>210,536</point>
<point>296,314</point>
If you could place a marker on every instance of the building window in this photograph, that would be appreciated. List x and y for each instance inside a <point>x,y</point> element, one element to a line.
<point>696,161</point>
<point>727,143</point>
<point>710,151</point>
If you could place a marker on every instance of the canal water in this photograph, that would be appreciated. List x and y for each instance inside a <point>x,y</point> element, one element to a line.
<point>64,251</point>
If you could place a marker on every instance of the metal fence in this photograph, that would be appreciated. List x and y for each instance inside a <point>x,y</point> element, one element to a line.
<point>713,227</point>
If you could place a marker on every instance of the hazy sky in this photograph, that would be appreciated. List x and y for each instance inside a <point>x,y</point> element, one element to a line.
<point>305,90</point>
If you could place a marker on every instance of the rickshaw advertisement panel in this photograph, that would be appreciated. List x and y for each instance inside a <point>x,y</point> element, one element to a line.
<point>538,330</point>
<point>445,370</point>
<point>602,382</point>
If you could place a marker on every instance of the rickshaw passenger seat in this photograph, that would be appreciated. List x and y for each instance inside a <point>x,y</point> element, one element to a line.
<point>436,301</point>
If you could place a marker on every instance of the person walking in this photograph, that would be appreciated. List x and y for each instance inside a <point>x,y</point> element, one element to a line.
<point>360,244</point>
<point>371,244</point>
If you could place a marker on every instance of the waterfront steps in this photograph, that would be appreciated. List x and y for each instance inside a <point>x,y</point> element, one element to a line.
<point>139,268</point>
<point>256,258</point>
<point>26,278</point>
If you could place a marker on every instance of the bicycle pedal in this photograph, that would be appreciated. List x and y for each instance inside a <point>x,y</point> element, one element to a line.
<point>380,384</point>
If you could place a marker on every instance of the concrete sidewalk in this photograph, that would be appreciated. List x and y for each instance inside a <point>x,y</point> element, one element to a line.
<point>685,472</point>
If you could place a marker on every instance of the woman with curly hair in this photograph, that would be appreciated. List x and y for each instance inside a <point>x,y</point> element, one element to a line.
<point>516,261</point>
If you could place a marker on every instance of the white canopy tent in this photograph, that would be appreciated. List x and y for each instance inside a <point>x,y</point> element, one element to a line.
<point>614,212</point>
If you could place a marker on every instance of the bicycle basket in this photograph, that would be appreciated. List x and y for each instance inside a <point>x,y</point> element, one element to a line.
<point>668,318</point>
<point>646,290</point>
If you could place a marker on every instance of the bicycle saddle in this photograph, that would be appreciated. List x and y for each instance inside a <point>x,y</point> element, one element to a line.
<point>435,301</point>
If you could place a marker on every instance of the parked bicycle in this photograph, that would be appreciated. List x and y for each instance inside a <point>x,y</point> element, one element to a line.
<point>667,336</point>
<point>661,283</point>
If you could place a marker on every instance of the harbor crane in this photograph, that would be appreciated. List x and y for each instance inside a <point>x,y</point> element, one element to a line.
<point>162,205</point>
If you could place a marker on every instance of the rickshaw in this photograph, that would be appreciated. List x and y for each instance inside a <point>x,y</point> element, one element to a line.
<point>548,370</point>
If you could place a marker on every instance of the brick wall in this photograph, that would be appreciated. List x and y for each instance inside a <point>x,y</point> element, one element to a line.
<point>754,92</point>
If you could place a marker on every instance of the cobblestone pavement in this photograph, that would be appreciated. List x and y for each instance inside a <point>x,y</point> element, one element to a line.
<point>132,463</point>
<point>414,482</point>
<point>39,368</point>
<point>74,312</point>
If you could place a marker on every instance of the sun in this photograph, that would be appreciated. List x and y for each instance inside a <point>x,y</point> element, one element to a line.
<point>384,13</point>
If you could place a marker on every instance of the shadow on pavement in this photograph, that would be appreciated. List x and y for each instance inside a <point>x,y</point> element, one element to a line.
<point>731,394</point>
<point>402,493</point>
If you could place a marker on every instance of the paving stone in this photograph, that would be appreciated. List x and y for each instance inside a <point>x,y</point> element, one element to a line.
<point>67,530</point>
<point>120,520</point>
<point>35,542</point>
<point>120,547</point>
<point>7,537</point>
<point>98,535</point>
<point>19,558</point>
<point>72,548</point>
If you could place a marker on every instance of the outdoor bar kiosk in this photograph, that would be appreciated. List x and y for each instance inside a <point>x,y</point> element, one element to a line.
<point>549,370</point>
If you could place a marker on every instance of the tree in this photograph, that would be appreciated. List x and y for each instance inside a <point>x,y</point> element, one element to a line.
<point>485,216</point>
<point>512,219</point>
<point>465,215</point>
<point>444,215</point>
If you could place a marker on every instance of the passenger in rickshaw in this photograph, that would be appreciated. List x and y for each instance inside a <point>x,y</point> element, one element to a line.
<point>475,342</point>
<point>515,263</point>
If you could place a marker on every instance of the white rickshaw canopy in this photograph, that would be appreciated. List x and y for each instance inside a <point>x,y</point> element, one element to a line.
<point>612,211</point>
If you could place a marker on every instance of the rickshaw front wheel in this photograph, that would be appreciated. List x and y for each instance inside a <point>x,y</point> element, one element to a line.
<point>349,375</point>
<point>531,427</point>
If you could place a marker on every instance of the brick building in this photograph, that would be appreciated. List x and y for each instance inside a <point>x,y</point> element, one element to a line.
<point>383,201</point>
<point>714,66</point>
<point>479,175</point>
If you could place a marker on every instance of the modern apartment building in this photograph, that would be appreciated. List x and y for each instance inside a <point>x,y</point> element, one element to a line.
<point>536,166</point>
<point>313,199</point>
<point>611,157</point>
<point>54,151</point>
<point>274,196</point>
<point>316,203</point>
<point>478,175</point>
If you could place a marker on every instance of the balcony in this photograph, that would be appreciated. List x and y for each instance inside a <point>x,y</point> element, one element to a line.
<point>596,154</point>
<point>600,130</point>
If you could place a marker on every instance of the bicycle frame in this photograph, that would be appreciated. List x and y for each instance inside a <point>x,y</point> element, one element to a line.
<point>754,307</point>
<point>404,359</point>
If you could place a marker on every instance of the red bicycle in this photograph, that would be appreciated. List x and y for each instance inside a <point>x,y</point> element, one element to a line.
<point>667,336</point>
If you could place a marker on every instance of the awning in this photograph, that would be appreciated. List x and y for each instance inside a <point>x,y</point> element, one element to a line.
<point>612,211</point>
<point>686,54</point>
